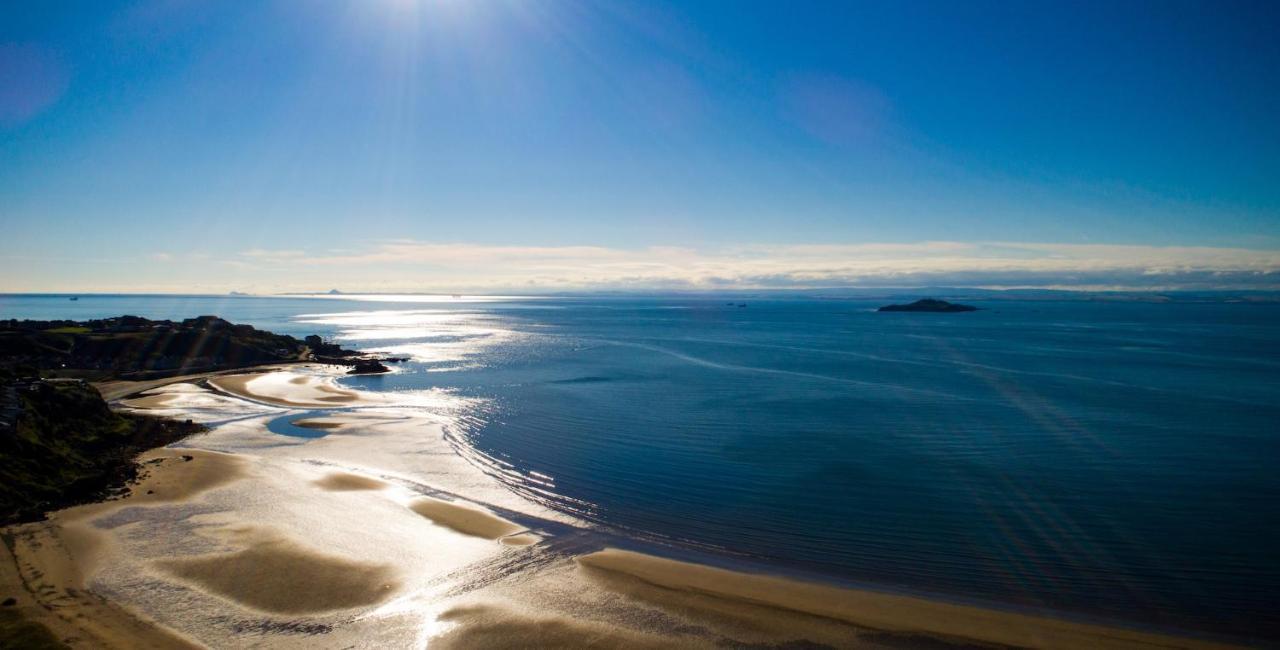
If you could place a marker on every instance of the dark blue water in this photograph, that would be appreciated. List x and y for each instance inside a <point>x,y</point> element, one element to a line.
<point>1106,459</point>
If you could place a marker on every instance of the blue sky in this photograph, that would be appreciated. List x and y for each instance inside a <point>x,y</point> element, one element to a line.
<point>440,145</point>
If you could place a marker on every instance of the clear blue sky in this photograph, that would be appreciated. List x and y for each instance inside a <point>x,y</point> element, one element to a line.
<point>302,145</point>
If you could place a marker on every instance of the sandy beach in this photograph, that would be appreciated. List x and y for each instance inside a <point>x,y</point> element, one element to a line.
<point>290,389</point>
<point>246,538</point>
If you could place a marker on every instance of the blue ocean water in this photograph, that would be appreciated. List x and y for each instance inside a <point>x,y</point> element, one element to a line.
<point>1103,459</point>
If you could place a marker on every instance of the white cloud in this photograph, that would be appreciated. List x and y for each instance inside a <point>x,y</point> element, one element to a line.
<point>430,266</point>
<point>406,266</point>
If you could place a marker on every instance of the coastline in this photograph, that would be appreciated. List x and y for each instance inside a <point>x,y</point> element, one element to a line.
<point>53,563</point>
<point>47,564</point>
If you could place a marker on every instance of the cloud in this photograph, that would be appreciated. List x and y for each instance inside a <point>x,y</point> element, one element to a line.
<point>406,265</point>
<point>264,254</point>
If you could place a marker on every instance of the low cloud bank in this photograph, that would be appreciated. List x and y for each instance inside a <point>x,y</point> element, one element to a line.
<point>428,266</point>
<point>406,266</point>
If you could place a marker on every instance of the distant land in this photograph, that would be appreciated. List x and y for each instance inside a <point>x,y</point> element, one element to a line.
<point>930,305</point>
<point>951,293</point>
<point>960,293</point>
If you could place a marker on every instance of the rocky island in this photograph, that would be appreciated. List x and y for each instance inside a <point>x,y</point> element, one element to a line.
<point>930,305</point>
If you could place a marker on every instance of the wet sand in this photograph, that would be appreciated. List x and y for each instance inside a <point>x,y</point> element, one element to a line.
<point>312,423</point>
<point>117,388</point>
<point>333,422</point>
<point>290,390</point>
<point>347,559</point>
<point>159,400</point>
<point>491,627</point>
<point>465,519</point>
<point>47,564</point>
<point>344,482</point>
<point>286,577</point>
<point>730,593</point>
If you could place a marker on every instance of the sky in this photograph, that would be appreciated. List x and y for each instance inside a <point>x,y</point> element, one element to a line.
<point>498,146</point>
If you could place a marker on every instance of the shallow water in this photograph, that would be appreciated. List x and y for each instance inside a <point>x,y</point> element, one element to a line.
<point>1109,459</point>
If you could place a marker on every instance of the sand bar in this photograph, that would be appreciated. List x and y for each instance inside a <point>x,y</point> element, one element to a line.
<point>284,577</point>
<point>464,519</point>
<point>341,420</point>
<point>869,610</point>
<point>345,482</point>
<point>289,389</point>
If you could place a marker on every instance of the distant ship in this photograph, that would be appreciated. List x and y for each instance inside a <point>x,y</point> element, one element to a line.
<point>75,297</point>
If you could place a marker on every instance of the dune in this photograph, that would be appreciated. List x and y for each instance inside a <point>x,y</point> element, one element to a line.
<point>464,519</point>
<point>344,482</point>
<point>283,577</point>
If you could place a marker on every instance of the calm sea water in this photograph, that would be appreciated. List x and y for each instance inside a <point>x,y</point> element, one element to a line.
<point>1107,459</point>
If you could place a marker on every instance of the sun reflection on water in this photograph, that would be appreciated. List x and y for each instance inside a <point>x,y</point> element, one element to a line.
<point>440,338</point>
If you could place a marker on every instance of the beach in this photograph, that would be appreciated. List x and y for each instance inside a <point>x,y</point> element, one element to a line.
<point>244,537</point>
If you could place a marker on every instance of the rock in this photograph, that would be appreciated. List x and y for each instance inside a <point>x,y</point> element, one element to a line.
<point>368,367</point>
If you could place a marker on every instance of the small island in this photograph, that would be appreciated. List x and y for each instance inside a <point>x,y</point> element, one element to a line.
<point>930,305</point>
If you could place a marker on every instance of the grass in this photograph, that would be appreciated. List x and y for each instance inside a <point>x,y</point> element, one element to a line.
<point>68,330</point>
<point>68,447</point>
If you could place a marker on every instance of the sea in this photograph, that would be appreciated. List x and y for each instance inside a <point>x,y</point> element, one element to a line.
<point>1111,461</point>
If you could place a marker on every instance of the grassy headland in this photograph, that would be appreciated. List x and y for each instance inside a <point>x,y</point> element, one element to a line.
<point>66,446</point>
<point>60,443</point>
<point>132,347</point>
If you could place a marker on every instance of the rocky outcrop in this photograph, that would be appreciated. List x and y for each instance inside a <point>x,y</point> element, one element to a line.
<point>367,367</point>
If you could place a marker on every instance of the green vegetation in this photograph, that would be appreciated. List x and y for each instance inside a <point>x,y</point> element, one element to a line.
<point>65,446</point>
<point>70,329</point>
<point>132,347</point>
<point>60,443</point>
<point>17,633</point>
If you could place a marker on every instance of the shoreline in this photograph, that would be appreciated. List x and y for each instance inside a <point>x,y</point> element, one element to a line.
<point>46,565</point>
<point>113,390</point>
<point>901,614</point>
<point>742,604</point>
